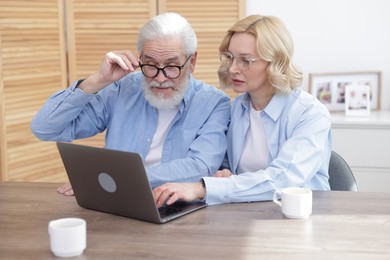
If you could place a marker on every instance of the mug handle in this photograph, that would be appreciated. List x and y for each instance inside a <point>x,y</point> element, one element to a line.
<point>277,194</point>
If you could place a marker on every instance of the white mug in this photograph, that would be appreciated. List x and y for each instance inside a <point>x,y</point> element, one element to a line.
<point>68,236</point>
<point>295,202</point>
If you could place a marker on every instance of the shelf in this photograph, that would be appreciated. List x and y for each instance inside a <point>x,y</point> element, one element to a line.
<point>376,120</point>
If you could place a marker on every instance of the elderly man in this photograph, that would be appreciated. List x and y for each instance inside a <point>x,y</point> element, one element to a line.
<point>175,122</point>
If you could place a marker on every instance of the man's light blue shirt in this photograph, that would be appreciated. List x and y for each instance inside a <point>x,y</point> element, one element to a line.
<point>194,146</point>
<point>298,134</point>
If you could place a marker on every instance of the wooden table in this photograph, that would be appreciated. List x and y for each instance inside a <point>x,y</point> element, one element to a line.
<point>344,225</point>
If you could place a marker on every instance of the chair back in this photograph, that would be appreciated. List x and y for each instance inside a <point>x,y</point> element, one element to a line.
<point>340,174</point>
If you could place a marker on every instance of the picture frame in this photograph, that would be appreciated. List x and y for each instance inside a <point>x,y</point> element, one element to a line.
<point>357,100</point>
<point>330,88</point>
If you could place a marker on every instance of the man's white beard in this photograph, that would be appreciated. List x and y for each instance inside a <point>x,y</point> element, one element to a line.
<point>158,100</point>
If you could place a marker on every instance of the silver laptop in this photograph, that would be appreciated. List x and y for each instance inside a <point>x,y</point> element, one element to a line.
<point>116,182</point>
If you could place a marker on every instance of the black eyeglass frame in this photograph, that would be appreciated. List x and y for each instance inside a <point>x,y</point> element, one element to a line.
<point>163,69</point>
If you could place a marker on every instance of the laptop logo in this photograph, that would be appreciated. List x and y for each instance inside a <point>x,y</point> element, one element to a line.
<point>107,182</point>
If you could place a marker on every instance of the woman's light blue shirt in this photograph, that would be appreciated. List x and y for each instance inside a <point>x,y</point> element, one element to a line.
<point>298,132</point>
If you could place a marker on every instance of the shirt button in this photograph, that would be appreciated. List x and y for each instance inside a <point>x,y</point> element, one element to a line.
<point>148,140</point>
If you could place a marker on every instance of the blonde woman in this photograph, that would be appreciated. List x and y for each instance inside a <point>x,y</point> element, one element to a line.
<point>279,135</point>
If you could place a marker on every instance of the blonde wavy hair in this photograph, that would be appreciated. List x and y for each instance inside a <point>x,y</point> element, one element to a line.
<point>274,44</point>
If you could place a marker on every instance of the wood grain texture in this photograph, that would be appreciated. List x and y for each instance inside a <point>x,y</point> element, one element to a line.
<point>344,225</point>
<point>33,67</point>
<point>3,146</point>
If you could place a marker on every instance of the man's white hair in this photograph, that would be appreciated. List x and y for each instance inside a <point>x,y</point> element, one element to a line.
<point>168,25</point>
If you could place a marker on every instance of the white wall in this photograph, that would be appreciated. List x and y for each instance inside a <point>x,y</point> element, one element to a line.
<point>336,35</point>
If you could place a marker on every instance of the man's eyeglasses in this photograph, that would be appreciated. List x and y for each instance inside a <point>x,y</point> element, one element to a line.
<point>242,62</point>
<point>170,71</point>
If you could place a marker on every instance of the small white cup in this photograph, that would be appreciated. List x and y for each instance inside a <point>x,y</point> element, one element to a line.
<point>68,236</point>
<point>295,202</point>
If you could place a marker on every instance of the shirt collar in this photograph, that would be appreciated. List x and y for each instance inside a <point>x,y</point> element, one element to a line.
<point>188,95</point>
<point>189,92</point>
<point>274,107</point>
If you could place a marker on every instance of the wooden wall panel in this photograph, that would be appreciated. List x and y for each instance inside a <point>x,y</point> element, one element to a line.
<point>3,150</point>
<point>33,66</point>
<point>97,27</point>
<point>210,20</point>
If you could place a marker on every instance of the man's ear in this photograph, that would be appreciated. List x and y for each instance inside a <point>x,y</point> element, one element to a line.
<point>193,61</point>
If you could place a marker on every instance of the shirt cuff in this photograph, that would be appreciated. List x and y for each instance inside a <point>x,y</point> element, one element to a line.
<point>218,190</point>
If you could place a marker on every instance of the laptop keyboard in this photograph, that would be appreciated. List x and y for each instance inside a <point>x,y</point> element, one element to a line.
<point>169,210</point>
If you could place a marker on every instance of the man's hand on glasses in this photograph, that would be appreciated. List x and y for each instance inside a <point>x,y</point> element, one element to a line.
<point>115,65</point>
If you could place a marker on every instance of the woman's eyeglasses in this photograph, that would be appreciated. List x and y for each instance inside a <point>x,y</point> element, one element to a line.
<point>242,62</point>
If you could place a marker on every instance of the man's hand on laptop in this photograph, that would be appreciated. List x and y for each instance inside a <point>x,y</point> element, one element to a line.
<point>66,189</point>
<point>170,192</point>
